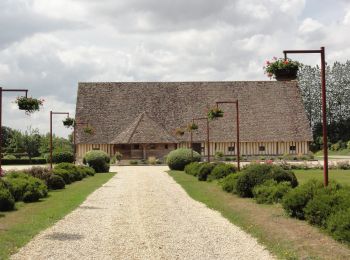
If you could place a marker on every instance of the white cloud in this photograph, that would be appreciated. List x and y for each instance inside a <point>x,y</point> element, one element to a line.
<point>309,25</point>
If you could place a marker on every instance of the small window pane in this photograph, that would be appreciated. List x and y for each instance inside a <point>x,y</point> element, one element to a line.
<point>231,148</point>
<point>292,148</point>
<point>261,148</point>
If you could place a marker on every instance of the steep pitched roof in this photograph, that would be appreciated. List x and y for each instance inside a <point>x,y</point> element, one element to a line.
<point>269,110</point>
<point>142,130</point>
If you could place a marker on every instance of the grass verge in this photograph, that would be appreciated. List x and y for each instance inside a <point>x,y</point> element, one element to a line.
<point>285,237</point>
<point>341,176</point>
<point>342,152</point>
<point>18,227</point>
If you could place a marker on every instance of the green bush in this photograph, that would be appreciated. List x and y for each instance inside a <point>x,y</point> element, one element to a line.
<point>25,187</point>
<point>296,200</point>
<point>64,174</point>
<point>133,162</point>
<point>7,202</point>
<point>23,161</point>
<point>229,183</point>
<point>56,182</point>
<point>338,225</point>
<point>270,191</point>
<point>325,203</point>
<point>98,160</point>
<point>256,174</point>
<point>193,168</point>
<point>205,170</point>
<point>42,173</point>
<point>75,174</point>
<point>62,156</point>
<point>221,170</point>
<point>179,158</point>
<point>10,157</point>
<point>86,170</point>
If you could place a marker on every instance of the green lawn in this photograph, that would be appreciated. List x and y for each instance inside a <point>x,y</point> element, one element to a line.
<point>285,237</point>
<point>341,176</point>
<point>19,226</point>
<point>334,153</point>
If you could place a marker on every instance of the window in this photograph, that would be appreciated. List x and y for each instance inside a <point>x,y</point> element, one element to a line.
<point>292,148</point>
<point>231,148</point>
<point>166,146</point>
<point>95,148</point>
<point>152,146</point>
<point>261,148</point>
<point>136,147</point>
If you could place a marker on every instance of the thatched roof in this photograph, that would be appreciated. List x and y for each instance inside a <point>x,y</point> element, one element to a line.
<point>149,112</point>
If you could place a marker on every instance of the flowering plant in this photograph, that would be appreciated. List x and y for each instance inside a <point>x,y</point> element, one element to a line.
<point>282,68</point>
<point>29,104</point>
<point>68,122</point>
<point>88,130</point>
<point>215,113</point>
<point>192,126</point>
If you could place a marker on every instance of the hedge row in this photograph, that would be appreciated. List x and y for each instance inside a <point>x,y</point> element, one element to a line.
<point>209,171</point>
<point>23,161</point>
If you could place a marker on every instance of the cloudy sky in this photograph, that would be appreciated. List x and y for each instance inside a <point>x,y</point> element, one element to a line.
<point>50,46</point>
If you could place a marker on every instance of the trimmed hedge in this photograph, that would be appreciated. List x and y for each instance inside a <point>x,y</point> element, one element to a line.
<point>98,160</point>
<point>62,156</point>
<point>221,170</point>
<point>7,201</point>
<point>23,161</point>
<point>56,182</point>
<point>338,225</point>
<point>205,170</point>
<point>193,168</point>
<point>271,191</point>
<point>65,175</point>
<point>229,183</point>
<point>179,158</point>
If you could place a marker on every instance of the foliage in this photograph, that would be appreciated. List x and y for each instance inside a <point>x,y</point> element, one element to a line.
<point>23,161</point>
<point>56,182</point>
<point>31,142</point>
<point>152,160</point>
<point>179,132</point>
<point>276,65</point>
<point>86,170</point>
<point>29,104</point>
<point>98,160</point>
<point>68,122</point>
<point>10,157</point>
<point>221,170</point>
<point>74,173</point>
<point>66,176</point>
<point>118,156</point>
<point>215,113</point>
<point>205,170</point>
<point>343,165</point>
<point>338,225</point>
<point>192,127</point>
<point>25,187</point>
<point>62,156</point>
<point>256,174</point>
<point>193,168</point>
<point>270,191</point>
<point>219,155</point>
<point>179,158</point>
<point>229,183</point>
<point>88,130</point>
<point>42,173</point>
<point>7,201</point>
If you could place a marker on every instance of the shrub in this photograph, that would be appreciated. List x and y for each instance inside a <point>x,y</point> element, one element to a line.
<point>7,201</point>
<point>25,187</point>
<point>228,183</point>
<point>179,158</point>
<point>86,170</point>
<point>338,225</point>
<point>68,178</point>
<point>325,203</point>
<point>271,191</point>
<point>98,160</point>
<point>62,156</point>
<point>23,161</point>
<point>221,170</point>
<point>152,160</point>
<point>295,201</point>
<point>75,174</point>
<point>56,182</point>
<point>343,165</point>
<point>256,174</point>
<point>133,162</point>
<point>205,170</point>
<point>118,156</point>
<point>10,157</point>
<point>219,155</point>
<point>42,173</point>
<point>193,168</point>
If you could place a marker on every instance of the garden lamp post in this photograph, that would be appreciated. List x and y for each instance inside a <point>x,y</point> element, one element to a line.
<point>74,136</point>
<point>208,143</point>
<point>237,128</point>
<point>51,114</point>
<point>6,90</point>
<point>321,51</point>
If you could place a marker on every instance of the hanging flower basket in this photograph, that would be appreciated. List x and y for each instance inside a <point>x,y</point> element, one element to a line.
<point>282,69</point>
<point>68,122</point>
<point>192,127</point>
<point>215,113</point>
<point>179,132</point>
<point>88,130</point>
<point>30,105</point>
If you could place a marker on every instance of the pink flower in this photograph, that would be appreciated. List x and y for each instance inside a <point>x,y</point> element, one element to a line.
<point>275,58</point>
<point>268,62</point>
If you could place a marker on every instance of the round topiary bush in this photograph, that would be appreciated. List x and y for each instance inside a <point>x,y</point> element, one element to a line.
<point>193,168</point>
<point>64,174</point>
<point>62,156</point>
<point>271,191</point>
<point>221,170</point>
<point>55,182</point>
<point>98,160</point>
<point>7,201</point>
<point>205,170</point>
<point>72,169</point>
<point>229,182</point>
<point>86,170</point>
<point>179,158</point>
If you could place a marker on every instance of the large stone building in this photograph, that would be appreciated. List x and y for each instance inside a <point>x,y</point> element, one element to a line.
<point>139,119</point>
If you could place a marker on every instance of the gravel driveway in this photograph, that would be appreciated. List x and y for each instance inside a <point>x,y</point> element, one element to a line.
<point>142,213</point>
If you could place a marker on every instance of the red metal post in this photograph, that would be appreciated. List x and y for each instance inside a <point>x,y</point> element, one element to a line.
<point>191,140</point>
<point>324,106</point>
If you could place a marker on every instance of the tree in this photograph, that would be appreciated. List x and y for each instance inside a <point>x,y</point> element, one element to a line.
<point>31,142</point>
